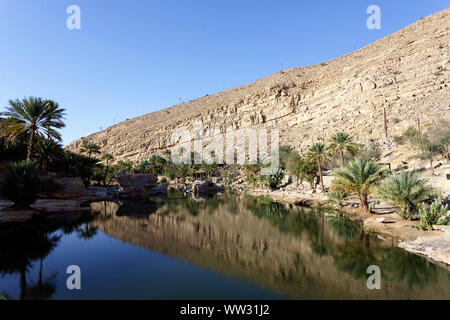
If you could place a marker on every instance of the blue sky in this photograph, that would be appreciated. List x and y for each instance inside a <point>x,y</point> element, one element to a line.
<point>137,56</point>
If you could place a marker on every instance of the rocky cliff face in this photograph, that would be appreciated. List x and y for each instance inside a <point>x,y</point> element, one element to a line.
<point>406,72</point>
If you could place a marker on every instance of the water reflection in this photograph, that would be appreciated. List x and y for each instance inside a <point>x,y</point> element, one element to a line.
<point>296,252</point>
<point>291,251</point>
<point>18,249</point>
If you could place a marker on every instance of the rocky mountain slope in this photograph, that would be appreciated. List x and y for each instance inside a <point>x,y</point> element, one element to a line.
<point>406,72</point>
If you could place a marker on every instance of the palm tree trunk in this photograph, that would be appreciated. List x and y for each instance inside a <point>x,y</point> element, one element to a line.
<point>320,175</point>
<point>342,158</point>
<point>40,274</point>
<point>30,145</point>
<point>23,283</point>
<point>106,173</point>
<point>364,204</point>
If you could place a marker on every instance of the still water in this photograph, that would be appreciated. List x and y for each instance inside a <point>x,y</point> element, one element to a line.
<point>229,247</point>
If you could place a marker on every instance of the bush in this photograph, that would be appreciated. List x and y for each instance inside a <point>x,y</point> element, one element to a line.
<point>338,197</point>
<point>21,183</point>
<point>407,192</point>
<point>372,151</point>
<point>273,180</point>
<point>302,168</point>
<point>432,214</point>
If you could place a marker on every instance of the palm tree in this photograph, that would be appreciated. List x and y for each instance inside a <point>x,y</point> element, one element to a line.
<point>90,148</point>
<point>338,197</point>
<point>342,142</point>
<point>358,176</point>
<point>407,192</point>
<point>31,118</point>
<point>48,152</point>
<point>21,183</point>
<point>318,152</point>
<point>56,115</point>
<point>107,157</point>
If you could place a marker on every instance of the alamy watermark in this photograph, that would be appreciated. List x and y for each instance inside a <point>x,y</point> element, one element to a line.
<point>74,280</point>
<point>74,20</point>
<point>210,145</point>
<point>374,20</point>
<point>374,280</point>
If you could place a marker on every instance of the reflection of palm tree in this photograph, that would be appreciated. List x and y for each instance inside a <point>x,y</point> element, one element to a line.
<point>344,228</point>
<point>353,258</point>
<point>87,232</point>
<point>402,266</point>
<point>318,243</point>
<point>29,245</point>
<point>42,290</point>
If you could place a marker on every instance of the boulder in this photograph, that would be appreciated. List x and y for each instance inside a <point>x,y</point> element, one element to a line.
<point>98,191</point>
<point>206,188</point>
<point>63,188</point>
<point>136,182</point>
<point>327,180</point>
<point>160,189</point>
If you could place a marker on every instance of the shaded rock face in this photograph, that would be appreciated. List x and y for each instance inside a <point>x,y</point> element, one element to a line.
<point>160,189</point>
<point>137,182</point>
<point>63,188</point>
<point>406,72</point>
<point>203,188</point>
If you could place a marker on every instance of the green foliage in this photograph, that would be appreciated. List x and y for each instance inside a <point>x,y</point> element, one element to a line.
<point>411,135</point>
<point>342,143</point>
<point>273,180</point>
<point>304,169</point>
<point>108,158</point>
<point>372,151</point>
<point>406,191</point>
<point>156,165</point>
<point>170,170</point>
<point>359,177</point>
<point>429,150</point>
<point>76,165</point>
<point>338,197</point>
<point>432,214</point>
<point>122,167</point>
<point>48,153</point>
<point>318,152</point>
<point>21,183</point>
<point>31,119</point>
<point>12,151</point>
<point>285,152</point>
<point>441,133</point>
<point>90,148</point>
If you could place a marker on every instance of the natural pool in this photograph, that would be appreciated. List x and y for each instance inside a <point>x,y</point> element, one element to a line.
<point>229,247</point>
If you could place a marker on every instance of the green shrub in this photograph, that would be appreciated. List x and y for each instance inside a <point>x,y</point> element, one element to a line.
<point>432,214</point>
<point>275,179</point>
<point>338,197</point>
<point>302,168</point>
<point>407,192</point>
<point>372,151</point>
<point>21,183</point>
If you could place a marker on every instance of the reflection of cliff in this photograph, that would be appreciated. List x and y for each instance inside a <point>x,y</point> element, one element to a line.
<point>238,243</point>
